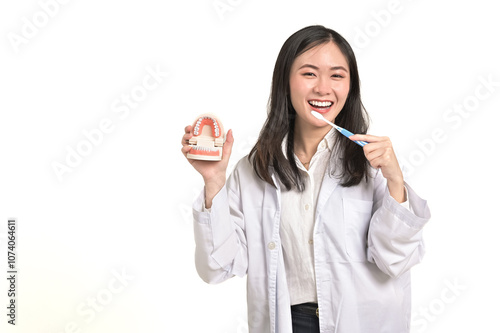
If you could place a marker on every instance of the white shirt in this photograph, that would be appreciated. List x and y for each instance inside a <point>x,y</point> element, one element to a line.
<point>297,223</point>
<point>365,243</point>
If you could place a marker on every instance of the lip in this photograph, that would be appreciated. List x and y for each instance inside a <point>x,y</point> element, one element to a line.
<point>320,110</point>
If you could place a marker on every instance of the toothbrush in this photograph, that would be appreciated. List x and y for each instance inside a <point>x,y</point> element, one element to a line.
<point>343,131</point>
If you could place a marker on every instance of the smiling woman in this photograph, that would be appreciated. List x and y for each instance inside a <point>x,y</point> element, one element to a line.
<point>316,66</point>
<point>325,230</point>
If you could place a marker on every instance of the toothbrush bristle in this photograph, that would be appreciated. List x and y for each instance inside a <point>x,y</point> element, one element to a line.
<point>317,114</point>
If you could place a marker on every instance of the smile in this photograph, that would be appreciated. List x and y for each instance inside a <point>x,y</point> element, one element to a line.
<point>320,106</point>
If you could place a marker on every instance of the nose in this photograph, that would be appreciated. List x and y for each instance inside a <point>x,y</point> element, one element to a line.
<point>322,86</point>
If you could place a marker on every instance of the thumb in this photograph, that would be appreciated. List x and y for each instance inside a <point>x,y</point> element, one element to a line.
<point>228,145</point>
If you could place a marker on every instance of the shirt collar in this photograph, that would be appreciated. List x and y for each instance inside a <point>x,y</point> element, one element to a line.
<point>328,140</point>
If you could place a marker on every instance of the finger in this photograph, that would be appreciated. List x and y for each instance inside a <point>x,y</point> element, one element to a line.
<point>185,149</point>
<point>367,138</point>
<point>185,139</point>
<point>374,154</point>
<point>228,145</point>
<point>384,161</point>
<point>375,164</point>
<point>368,149</point>
<point>380,161</point>
<point>187,136</point>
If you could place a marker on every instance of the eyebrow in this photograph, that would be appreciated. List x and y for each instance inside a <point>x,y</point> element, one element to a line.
<point>317,68</point>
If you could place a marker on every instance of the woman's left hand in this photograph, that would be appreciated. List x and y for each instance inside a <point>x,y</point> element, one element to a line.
<point>380,154</point>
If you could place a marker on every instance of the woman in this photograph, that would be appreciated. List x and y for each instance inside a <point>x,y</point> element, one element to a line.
<point>325,230</point>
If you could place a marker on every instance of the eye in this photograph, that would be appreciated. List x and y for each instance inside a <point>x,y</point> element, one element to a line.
<point>337,76</point>
<point>308,74</point>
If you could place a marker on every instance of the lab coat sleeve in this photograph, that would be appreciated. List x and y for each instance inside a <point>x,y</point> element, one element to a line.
<point>395,242</point>
<point>221,249</point>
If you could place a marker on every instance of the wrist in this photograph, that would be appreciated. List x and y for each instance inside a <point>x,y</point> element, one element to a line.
<point>212,187</point>
<point>398,182</point>
<point>397,189</point>
<point>216,181</point>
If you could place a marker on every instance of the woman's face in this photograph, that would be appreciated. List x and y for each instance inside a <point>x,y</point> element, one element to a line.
<point>319,81</point>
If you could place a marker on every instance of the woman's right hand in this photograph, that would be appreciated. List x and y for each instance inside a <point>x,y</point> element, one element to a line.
<point>213,172</point>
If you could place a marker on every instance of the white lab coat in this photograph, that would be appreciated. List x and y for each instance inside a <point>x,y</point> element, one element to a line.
<point>364,245</point>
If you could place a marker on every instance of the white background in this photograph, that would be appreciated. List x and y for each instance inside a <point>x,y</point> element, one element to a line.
<point>126,207</point>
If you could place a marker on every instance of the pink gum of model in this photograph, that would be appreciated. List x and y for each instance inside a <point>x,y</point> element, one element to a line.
<point>208,138</point>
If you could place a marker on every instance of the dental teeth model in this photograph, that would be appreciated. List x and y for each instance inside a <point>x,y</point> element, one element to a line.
<point>208,138</point>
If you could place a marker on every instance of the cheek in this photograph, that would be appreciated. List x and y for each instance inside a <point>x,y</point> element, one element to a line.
<point>344,91</point>
<point>296,87</point>
<point>296,92</point>
<point>296,102</point>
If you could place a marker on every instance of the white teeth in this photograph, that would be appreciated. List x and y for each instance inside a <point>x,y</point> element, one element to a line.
<point>320,104</point>
<point>204,148</point>
<point>198,124</point>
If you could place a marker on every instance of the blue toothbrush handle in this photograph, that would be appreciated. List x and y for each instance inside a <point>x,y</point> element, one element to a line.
<point>348,134</point>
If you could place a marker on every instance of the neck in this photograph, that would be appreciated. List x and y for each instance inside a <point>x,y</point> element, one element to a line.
<point>306,140</point>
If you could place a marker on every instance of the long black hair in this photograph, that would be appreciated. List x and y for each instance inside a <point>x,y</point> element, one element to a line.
<point>280,122</point>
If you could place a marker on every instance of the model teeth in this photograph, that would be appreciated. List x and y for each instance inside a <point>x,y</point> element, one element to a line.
<point>320,104</point>
<point>198,123</point>
<point>204,148</point>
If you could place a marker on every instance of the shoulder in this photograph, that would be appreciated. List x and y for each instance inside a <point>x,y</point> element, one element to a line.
<point>244,166</point>
<point>243,174</point>
<point>241,170</point>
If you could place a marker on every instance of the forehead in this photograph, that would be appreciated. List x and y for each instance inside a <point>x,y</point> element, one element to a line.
<point>324,55</point>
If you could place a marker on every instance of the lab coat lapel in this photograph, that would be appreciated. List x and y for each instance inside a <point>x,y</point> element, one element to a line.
<point>272,201</point>
<point>328,185</point>
<point>271,227</point>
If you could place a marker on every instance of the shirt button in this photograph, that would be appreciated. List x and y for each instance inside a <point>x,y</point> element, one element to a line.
<point>306,207</point>
<point>310,241</point>
<point>271,246</point>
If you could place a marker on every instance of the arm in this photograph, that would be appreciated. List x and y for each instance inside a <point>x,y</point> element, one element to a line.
<point>395,241</point>
<point>219,233</point>
<point>221,249</point>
